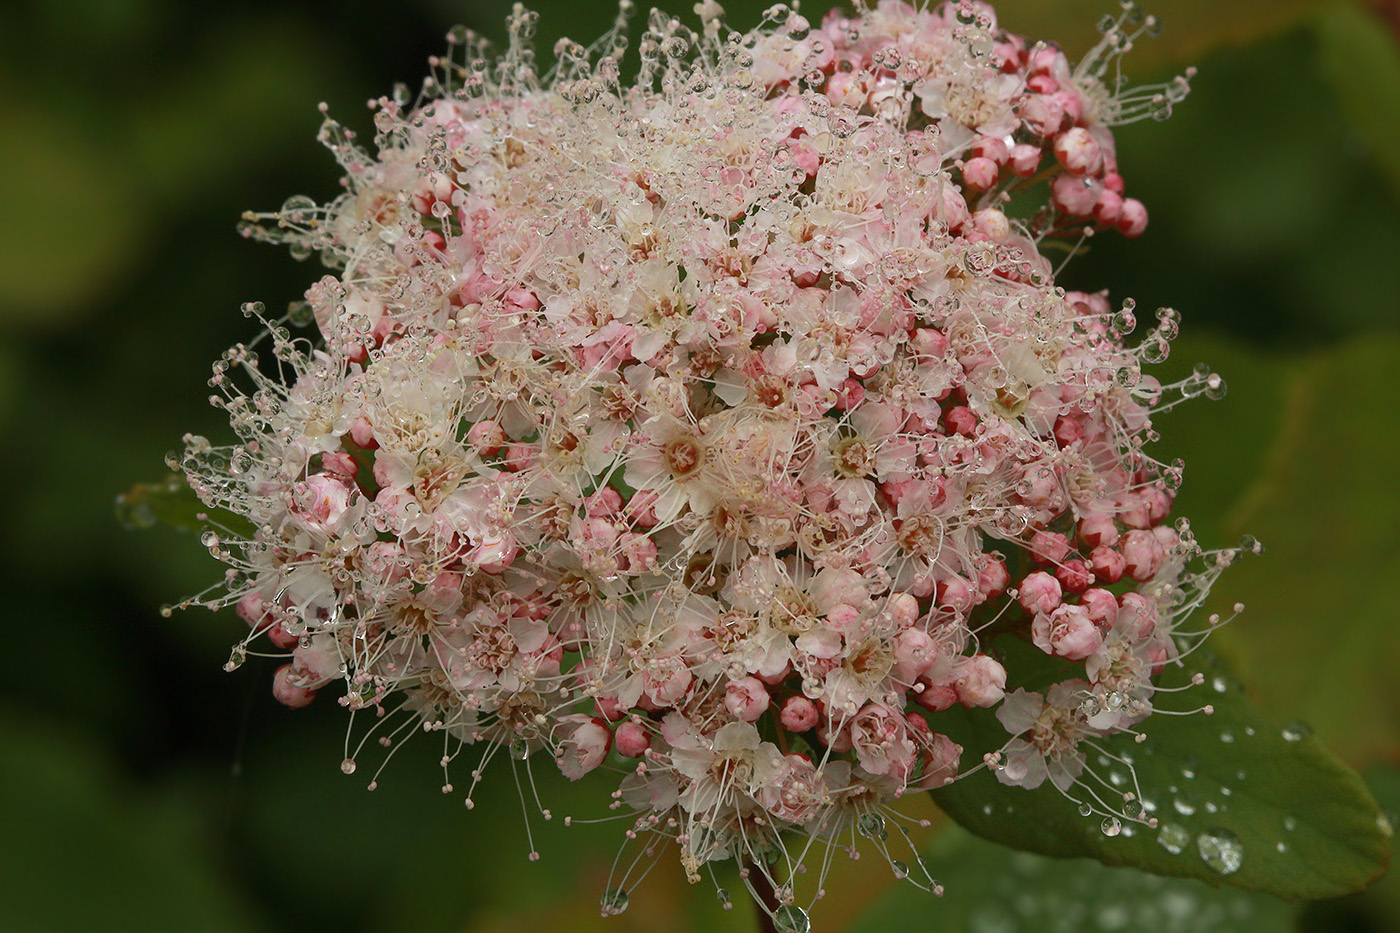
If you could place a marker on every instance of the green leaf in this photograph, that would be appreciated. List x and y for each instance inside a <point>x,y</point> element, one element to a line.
<point>1306,825</point>
<point>1321,630</point>
<point>172,502</point>
<point>987,887</point>
<point>1361,61</point>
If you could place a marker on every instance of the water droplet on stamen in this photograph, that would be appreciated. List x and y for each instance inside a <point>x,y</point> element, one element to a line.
<point>790,919</point>
<point>615,902</point>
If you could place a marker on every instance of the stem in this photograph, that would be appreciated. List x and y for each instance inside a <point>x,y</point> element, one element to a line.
<point>765,902</point>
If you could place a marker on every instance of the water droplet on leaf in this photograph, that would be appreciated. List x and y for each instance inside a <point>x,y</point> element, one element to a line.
<point>1221,850</point>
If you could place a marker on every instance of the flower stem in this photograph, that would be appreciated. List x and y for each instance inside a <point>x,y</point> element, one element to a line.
<point>764,900</point>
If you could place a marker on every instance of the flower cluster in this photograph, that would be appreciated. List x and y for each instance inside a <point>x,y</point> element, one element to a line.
<point>708,426</point>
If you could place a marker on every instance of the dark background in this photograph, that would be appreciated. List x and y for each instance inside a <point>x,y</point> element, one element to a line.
<point>143,788</point>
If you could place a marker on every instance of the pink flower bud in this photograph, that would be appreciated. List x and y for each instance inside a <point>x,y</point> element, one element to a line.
<point>1143,555</point>
<point>936,698</point>
<point>993,223</point>
<point>1109,208</point>
<point>989,147</point>
<point>1025,159</point>
<point>993,576</point>
<point>914,651</point>
<point>956,593</point>
<point>1068,632</point>
<point>746,698</point>
<point>939,762</point>
<point>631,740</point>
<point>929,342</point>
<point>1132,220</point>
<point>1039,593</point>
<point>798,714</point>
<point>1074,575</point>
<point>1074,194</point>
<point>1049,547</point>
<point>1101,607</point>
<point>486,438</point>
<point>980,173</point>
<point>1097,530</point>
<point>287,691</point>
<point>1077,151</point>
<point>1108,565</point>
<point>981,681</point>
<point>960,420</point>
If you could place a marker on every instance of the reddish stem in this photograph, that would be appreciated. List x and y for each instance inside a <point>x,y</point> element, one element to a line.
<point>765,901</point>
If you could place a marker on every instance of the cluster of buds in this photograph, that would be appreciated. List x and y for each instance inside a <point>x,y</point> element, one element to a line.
<point>705,429</point>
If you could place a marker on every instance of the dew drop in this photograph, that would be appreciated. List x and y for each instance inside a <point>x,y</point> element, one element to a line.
<point>790,919</point>
<point>1085,809</point>
<point>1296,731</point>
<point>614,902</point>
<point>1111,826</point>
<point>236,658</point>
<point>1385,825</point>
<point>1173,837</point>
<point>872,826</point>
<point>1221,850</point>
<point>348,766</point>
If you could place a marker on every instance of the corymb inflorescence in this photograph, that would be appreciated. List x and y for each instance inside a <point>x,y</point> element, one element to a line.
<point>709,428</point>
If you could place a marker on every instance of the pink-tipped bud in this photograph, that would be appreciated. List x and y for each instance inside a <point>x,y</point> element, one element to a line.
<point>992,223</point>
<point>981,681</point>
<point>1143,555</point>
<point>746,698</point>
<point>936,698</point>
<point>1101,606</point>
<point>1132,221</point>
<point>1068,632</point>
<point>1108,564</point>
<point>1049,547</point>
<point>1025,159</point>
<point>1074,575</point>
<point>1098,530</point>
<point>486,438</point>
<point>1078,151</point>
<point>631,740</point>
<point>287,689</point>
<point>798,714</point>
<point>1040,593</point>
<point>1075,194</point>
<point>1109,208</point>
<point>980,173</point>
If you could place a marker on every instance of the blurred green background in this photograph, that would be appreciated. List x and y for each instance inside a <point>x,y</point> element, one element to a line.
<point>145,789</point>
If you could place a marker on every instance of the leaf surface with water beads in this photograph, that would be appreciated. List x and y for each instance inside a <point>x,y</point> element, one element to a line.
<point>1239,801</point>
